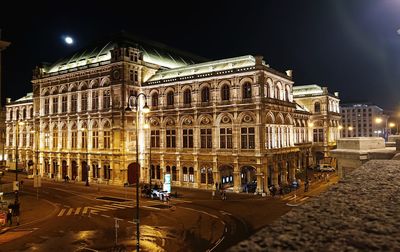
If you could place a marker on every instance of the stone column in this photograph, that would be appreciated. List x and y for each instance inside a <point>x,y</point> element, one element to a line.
<point>236,177</point>
<point>275,174</point>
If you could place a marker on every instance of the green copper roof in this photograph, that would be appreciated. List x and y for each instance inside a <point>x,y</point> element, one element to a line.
<point>153,52</point>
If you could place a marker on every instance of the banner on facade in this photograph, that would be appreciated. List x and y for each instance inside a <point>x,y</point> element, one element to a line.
<point>167,183</point>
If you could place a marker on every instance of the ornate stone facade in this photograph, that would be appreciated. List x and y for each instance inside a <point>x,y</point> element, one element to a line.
<point>324,121</point>
<point>231,121</point>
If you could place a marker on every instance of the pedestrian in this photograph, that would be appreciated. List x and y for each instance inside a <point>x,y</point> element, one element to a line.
<point>76,178</point>
<point>16,211</point>
<point>22,184</point>
<point>212,194</point>
<point>9,216</point>
<point>223,195</point>
<point>216,186</point>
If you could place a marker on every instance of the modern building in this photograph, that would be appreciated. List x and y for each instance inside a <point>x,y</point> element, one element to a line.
<point>230,121</point>
<point>324,120</point>
<point>363,120</point>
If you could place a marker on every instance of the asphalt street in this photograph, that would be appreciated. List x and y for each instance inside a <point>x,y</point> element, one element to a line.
<point>74,217</point>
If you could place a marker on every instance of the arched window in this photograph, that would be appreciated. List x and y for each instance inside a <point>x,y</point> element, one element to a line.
<point>17,114</point>
<point>225,93</point>
<point>205,94</point>
<point>170,98</point>
<point>154,100</point>
<point>277,93</point>
<point>158,172</point>
<point>317,107</point>
<point>247,90</point>
<point>203,175</point>
<point>23,113</point>
<point>174,173</point>
<point>187,97</point>
<point>287,93</point>
<point>31,112</point>
<point>185,174</point>
<point>191,174</point>
<point>106,99</point>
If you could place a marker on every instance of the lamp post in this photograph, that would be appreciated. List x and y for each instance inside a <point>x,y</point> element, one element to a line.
<point>145,109</point>
<point>16,155</point>
<point>84,130</point>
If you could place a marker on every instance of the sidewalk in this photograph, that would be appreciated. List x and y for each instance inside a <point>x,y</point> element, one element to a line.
<point>32,210</point>
<point>314,188</point>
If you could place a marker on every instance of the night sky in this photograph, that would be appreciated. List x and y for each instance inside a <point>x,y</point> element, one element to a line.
<point>351,46</point>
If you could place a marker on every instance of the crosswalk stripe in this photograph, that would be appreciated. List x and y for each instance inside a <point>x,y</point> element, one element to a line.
<point>98,209</point>
<point>116,206</point>
<point>85,210</point>
<point>70,211</point>
<point>129,205</point>
<point>77,210</point>
<point>61,212</point>
<point>104,207</point>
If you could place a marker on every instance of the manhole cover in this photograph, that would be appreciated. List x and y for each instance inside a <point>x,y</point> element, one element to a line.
<point>111,199</point>
<point>161,206</point>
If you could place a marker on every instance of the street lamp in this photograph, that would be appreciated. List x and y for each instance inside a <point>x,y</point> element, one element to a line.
<point>145,110</point>
<point>84,130</point>
<point>16,155</point>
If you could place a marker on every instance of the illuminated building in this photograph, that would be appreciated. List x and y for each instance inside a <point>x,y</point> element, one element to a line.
<point>230,121</point>
<point>363,120</point>
<point>325,118</point>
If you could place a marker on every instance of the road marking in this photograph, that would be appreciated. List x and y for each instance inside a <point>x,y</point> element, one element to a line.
<point>128,205</point>
<point>77,210</point>
<point>116,206</point>
<point>106,207</point>
<point>225,213</point>
<point>61,212</point>
<point>105,215</point>
<point>149,207</point>
<point>85,210</point>
<point>304,198</point>
<point>70,211</point>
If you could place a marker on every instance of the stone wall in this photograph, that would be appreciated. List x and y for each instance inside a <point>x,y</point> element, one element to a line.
<point>360,213</point>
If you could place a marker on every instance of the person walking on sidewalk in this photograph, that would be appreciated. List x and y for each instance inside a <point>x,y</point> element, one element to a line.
<point>9,216</point>
<point>16,211</point>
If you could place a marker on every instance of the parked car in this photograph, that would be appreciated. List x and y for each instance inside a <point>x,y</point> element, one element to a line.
<point>326,168</point>
<point>157,193</point>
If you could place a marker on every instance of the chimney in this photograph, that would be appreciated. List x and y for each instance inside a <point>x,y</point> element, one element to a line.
<point>8,100</point>
<point>325,90</point>
<point>289,73</point>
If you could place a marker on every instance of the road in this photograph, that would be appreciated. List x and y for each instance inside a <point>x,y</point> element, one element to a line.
<point>79,218</point>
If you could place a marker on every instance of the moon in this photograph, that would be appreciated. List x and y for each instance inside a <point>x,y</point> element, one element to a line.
<point>69,40</point>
